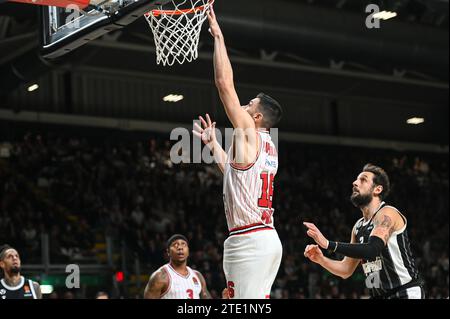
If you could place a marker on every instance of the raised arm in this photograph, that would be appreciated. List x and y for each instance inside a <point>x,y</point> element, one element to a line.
<point>157,285</point>
<point>342,268</point>
<point>224,78</point>
<point>204,294</point>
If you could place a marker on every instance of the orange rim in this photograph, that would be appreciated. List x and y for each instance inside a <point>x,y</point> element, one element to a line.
<point>157,13</point>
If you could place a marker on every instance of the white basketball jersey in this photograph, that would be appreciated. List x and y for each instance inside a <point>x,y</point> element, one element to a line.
<point>248,191</point>
<point>181,287</point>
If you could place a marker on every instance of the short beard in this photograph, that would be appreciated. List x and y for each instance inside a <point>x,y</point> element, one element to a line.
<point>15,270</point>
<point>360,201</point>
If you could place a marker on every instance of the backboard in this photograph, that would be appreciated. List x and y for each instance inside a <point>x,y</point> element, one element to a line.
<point>65,29</point>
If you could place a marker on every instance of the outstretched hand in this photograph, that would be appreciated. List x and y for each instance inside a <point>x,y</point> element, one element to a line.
<point>206,132</point>
<point>315,234</point>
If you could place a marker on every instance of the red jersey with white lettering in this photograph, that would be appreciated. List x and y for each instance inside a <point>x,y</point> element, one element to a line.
<point>248,191</point>
<point>181,287</point>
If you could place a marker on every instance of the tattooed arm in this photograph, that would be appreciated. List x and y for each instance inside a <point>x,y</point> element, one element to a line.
<point>386,222</point>
<point>204,294</point>
<point>157,285</point>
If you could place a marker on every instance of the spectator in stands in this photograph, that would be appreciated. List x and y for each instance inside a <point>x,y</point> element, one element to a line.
<point>79,190</point>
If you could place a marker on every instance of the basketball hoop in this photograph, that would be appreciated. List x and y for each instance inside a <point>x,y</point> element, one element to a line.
<point>177,31</point>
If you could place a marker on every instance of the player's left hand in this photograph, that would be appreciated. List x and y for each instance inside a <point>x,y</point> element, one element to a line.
<point>207,132</point>
<point>314,253</point>
<point>315,234</point>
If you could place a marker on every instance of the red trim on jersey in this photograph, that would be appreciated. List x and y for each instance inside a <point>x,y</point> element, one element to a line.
<point>196,275</point>
<point>170,283</point>
<point>253,231</point>
<point>267,296</point>
<point>265,227</point>
<point>246,168</point>
<point>245,227</point>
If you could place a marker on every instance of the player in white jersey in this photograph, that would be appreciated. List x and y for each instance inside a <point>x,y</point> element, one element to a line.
<point>252,252</point>
<point>176,280</point>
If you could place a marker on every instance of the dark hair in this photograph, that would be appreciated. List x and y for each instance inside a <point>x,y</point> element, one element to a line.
<point>176,237</point>
<point>271,110</point>
<point>380,178</point>
<point>3,250</point>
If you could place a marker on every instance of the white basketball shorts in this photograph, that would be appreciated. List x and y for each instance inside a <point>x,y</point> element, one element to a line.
<point>251,262</point>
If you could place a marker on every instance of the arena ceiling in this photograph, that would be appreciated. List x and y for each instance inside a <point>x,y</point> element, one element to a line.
<point>314,46</point>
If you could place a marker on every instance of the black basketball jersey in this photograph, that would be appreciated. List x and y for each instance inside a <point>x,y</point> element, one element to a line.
<point>395,267</point>
<point>25,290</point>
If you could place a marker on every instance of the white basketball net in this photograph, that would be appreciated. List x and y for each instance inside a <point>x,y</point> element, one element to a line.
<point>177,31</point>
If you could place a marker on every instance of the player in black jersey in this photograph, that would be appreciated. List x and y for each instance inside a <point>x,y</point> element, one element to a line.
<point>379,242</point>
<point>13,285</point>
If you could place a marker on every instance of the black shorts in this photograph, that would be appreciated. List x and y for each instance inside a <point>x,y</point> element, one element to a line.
<point>414,292</point>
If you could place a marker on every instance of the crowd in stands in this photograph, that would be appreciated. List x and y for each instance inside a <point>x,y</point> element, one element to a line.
<point>79,190</point>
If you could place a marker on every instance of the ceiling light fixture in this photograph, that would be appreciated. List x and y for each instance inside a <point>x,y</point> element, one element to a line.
<point>173,98</point>
<point>385,15</point>
<point>415,120</point>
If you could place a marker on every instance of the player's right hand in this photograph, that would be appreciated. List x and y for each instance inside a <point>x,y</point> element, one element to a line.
<point>313,253</point>
<point>214,27</point>
<point>206,132</point>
